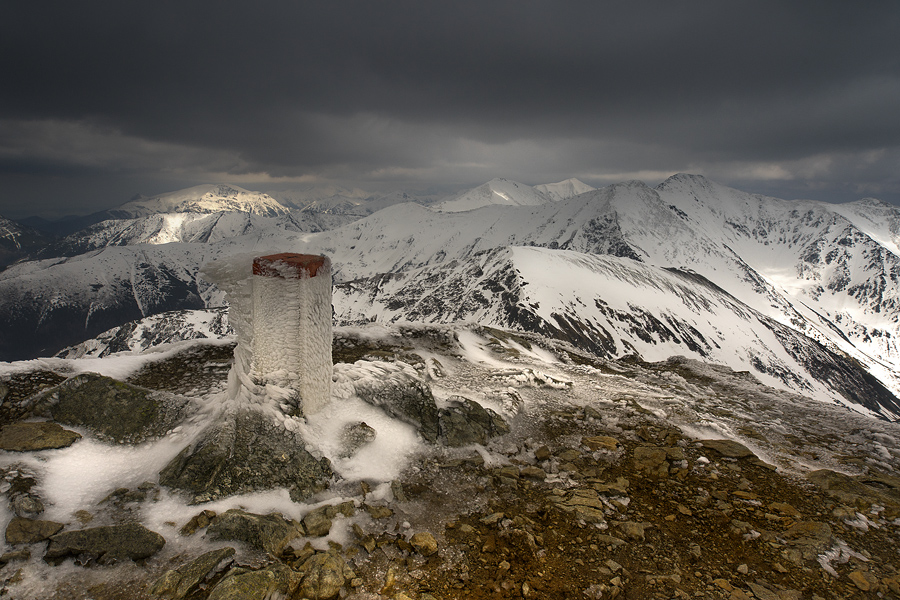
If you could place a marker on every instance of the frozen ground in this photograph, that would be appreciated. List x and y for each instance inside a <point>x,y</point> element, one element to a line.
<point>529,380</point>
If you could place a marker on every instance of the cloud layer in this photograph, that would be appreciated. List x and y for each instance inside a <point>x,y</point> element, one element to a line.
<point>796,99</point>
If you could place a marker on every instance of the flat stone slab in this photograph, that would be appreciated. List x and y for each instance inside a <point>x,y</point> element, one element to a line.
<point>105,545</point>
<point>113,410</point>
<point>185,580</point>
<point>30,531</point>
<point>270,533</point>
<point>30,437</point>
<point>728,448</point>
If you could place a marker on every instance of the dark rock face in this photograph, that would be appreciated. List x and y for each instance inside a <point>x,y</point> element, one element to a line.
<point>270,533</point>
<point>105,545</point>
<point>26,437</point>
<point>246,452</point>
<point>114,410</point>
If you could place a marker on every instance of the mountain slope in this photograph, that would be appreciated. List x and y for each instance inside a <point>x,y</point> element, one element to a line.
<point>17,241</point>
<point>613,307</point>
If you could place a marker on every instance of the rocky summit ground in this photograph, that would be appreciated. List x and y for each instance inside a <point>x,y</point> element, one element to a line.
<point>618,479</point>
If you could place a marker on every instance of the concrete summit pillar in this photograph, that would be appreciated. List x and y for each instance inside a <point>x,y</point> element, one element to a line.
<point>292,325</point>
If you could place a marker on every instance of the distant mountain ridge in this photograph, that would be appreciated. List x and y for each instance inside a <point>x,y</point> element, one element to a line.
<point>802,294</point>
<point>211,198</point>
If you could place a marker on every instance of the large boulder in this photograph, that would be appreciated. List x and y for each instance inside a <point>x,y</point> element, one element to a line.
<point>244,452</point>
<point>113,410</point>
<point>105,545</point>
<point>397,389</point>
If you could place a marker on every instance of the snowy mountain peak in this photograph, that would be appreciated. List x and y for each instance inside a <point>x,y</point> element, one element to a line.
<point>496,191</point>
<point>210,198</point>
<point>564,189</point>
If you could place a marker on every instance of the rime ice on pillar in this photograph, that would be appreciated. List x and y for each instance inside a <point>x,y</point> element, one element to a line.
<point>292,325</point>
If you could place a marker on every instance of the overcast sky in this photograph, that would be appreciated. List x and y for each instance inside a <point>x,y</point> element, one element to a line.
<point>103,100</point>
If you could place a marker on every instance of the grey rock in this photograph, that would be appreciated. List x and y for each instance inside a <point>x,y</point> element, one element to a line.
<point>861,491</point>
<point>29,437</point>
<point>532,472</point>
<point>634,531</point>
<point>23,554</point>
<point>270,533</point>
<point>323,577</point>
<point>317,523</point>
<point>105,545</point>
<point>30,531</point>
<point>245,452</point>
<point>424,543</point>
<point>763,593</point>
<point>26,506</point>
<point>651,461</point>
<point>728,448</point>
<point>186,579</point>
<point>403,395</point>
<point>199,521</point>
<point>240,584</point>
<point>464,422</point>
<point>354,437</point>
<point>397,490</point>
<point>113,410</point>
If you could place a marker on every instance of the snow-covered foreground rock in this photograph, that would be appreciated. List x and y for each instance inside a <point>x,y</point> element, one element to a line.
<point>615,478</point>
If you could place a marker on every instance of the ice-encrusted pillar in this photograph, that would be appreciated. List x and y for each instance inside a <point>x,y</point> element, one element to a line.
<point>292,325</point>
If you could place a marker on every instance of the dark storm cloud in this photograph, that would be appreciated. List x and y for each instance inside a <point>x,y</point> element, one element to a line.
<point>348,89</point>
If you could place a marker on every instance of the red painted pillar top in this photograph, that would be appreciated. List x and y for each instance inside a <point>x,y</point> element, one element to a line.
<point>289,265</point>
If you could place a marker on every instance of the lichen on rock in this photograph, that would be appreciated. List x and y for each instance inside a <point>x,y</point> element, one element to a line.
<point>113,410</point>
<point>243,452</point>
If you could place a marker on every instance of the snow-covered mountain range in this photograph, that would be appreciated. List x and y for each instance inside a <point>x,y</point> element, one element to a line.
<point>802,294</point>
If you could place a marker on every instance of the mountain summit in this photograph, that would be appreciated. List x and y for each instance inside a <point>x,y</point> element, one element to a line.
<point>495,191</point>
<point>564,189</point>
<point>210,198</point>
